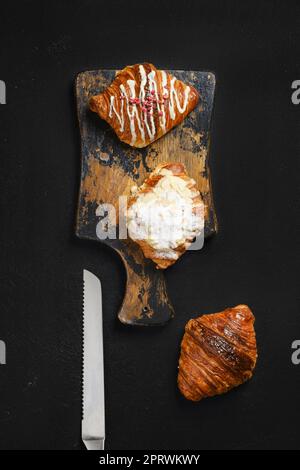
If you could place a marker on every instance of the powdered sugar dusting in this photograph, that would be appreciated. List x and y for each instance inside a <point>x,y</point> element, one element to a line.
<point>165,216</point>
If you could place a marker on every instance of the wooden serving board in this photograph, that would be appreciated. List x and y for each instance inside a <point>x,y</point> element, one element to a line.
<point>109,168</point>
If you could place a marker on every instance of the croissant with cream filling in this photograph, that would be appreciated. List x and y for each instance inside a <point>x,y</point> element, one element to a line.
<point>165,214</point>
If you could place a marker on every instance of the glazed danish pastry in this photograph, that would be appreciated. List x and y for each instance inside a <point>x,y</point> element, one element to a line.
<point>143,103</point>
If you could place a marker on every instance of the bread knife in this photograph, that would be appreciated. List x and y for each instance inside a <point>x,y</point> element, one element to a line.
<point>93,419</point>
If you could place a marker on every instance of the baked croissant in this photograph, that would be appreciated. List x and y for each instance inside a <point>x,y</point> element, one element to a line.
<point>218,352</point>
<point>143,103</point>
<point>165,214</point>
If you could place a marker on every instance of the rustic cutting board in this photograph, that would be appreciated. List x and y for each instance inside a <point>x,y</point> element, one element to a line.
<point>109,168</point>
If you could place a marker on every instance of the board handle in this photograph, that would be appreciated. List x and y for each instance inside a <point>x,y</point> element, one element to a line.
<point>146,301</point>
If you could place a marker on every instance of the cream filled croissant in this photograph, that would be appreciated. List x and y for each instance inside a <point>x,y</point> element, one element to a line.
<point>165,214</point>
<point>143,103</point>
<point>218,352</point>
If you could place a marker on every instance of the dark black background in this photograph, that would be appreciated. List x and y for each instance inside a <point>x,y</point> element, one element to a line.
<point>253,48</point>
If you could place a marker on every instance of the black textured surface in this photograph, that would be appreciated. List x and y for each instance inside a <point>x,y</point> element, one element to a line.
<point>253,47</point>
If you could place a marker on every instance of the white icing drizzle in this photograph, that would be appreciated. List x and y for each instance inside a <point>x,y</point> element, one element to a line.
<point>143,82</point>
<point>151,132</point>
<point>131,84</point>
<point>173,93</point>
<point>133,110</point>
<point>153,86</point>
<point>120,116</point>
<point>130,114</point>
<point>165,91</point>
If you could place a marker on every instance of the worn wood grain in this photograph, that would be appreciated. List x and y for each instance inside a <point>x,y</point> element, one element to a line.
<point>109,168</point>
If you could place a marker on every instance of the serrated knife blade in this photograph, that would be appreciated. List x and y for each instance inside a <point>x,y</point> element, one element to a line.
<point>93,419</point>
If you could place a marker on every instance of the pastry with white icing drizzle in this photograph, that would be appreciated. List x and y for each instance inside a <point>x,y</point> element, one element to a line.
<point>143,103</point>
<point>165,214</point>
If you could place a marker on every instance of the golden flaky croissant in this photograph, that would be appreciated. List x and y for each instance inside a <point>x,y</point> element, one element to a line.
<point>218,352</point>
<point>143,103</point>
<point>165,214</point>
